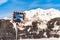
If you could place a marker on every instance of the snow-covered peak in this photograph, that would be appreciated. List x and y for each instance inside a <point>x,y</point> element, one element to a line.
<point>6,18</point>
<point>42,14</point>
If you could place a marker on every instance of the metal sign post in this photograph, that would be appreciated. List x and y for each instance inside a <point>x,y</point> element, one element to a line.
<point>15,26</point>
<point>17,17</point>
<point>16,33</point>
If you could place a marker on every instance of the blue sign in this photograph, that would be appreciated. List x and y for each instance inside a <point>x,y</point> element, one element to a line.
<point>18,17</point>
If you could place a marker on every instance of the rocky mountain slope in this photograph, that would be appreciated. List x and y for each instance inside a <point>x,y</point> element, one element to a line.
<point>41,24</point>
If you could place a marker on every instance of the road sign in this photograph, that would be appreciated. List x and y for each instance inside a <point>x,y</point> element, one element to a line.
<point>18,17</point>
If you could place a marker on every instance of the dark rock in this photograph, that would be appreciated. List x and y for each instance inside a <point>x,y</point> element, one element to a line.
<point>7,31</point>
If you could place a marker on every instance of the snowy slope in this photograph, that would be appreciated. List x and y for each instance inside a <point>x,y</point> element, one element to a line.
<point>42,14</point>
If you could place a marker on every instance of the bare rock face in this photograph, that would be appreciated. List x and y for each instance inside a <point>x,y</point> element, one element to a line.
<point>53,27</point>
<point>6,30</point>
<point>37,31</point>
<point>32,31</point>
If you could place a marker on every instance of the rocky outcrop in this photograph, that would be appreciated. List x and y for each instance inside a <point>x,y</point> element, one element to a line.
<point>6,30</point>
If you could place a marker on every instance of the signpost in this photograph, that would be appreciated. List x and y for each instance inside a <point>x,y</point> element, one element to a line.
<point>17,17</point>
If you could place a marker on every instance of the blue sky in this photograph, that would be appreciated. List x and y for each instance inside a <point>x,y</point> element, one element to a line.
<point>8,6</point>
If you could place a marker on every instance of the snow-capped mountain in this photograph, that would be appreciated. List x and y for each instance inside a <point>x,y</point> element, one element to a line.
<point>39,24</point>
<point>6,18</point>
<point>42,14</point>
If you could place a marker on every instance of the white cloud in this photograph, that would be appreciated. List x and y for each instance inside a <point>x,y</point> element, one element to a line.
<point>3,1</point>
